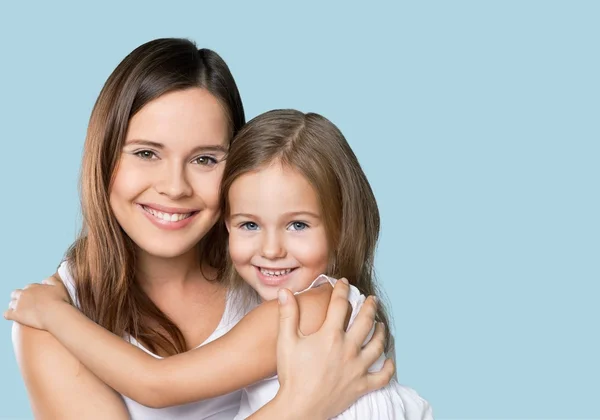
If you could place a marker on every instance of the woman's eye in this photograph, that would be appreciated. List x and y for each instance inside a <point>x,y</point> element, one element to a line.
<point>249,226</point>
<point>145,154</point>
<point>205,161</point>
<point>298,226</point>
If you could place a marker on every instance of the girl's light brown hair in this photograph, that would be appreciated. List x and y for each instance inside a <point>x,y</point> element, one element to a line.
<point>102,259</point>
<point>313,146</point>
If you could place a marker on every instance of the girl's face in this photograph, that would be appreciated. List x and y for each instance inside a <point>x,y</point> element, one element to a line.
<point>276,233</point>
<point>165,193</point>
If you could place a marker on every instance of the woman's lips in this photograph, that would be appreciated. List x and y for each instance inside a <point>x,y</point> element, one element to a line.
<point>166,220</point>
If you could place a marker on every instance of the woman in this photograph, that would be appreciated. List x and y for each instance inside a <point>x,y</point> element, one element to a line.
<point>147,263</point>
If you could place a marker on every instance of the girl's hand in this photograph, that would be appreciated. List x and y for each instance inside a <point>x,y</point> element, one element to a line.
<point>29,305</point>
<point>322,374</point>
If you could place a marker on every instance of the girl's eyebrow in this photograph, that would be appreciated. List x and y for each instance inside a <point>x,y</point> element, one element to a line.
<point>302,213</point>
<point>244,215</point>
<point>156,145</point>
<point>290,214</point>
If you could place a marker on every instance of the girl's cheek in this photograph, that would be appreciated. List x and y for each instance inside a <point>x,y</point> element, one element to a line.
<point>313,250</point>
<point>240,247</point>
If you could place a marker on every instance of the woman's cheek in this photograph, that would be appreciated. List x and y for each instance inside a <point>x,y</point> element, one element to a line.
<point>207,185</point>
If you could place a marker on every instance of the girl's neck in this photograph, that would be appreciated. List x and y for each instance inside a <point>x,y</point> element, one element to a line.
<point>155,272</point>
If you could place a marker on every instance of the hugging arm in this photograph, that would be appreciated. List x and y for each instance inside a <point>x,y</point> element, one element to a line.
<point>239,358</point>
<point>243,356</point>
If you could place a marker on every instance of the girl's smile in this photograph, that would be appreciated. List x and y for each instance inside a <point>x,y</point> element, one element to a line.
<point>274,277</point>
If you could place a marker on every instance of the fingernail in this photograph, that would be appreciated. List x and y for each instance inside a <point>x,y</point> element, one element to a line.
<point>282,297</point>
<point>344,280</point>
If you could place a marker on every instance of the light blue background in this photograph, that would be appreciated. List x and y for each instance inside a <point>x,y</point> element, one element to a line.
<point>477,123</point>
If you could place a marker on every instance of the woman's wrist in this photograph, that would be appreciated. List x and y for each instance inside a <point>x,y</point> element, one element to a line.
<point>289,406</point>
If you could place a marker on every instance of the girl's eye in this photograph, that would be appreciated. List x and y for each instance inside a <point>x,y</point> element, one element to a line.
<point>298,226</point>
<point>249,226</point>
<point>205,161</point>
<point>145,154</point>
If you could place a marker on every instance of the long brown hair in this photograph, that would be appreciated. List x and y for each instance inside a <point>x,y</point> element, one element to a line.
<point>315,147</point>
<point>102,259</point>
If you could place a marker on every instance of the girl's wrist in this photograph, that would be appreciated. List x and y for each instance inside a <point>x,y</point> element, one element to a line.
<point>53,313</point>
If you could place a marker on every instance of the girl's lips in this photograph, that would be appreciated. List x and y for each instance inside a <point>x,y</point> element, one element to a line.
<point>167,224</point>
<point>273,281</point>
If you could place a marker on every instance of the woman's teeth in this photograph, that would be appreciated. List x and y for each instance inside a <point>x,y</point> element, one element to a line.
<point>167,217</point>
<point>275,273</point>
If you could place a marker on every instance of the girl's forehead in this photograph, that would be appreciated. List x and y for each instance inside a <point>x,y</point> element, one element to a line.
<point>274,186</point>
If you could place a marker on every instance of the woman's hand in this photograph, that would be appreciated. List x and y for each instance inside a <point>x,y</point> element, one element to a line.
<point>322,374</point>
<point>29,305</point>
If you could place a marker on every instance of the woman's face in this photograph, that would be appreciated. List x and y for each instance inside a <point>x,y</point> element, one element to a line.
<point>165,193</point>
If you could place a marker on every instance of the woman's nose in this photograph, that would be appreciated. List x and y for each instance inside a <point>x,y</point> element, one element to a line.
<point>174,183</point>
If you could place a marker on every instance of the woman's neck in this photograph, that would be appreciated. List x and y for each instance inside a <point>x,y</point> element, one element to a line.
<point>155,272</point>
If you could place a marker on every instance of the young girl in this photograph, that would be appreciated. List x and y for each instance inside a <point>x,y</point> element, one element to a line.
<point>296,204</point>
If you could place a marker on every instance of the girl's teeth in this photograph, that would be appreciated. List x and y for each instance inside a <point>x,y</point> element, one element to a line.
<point>275,273</point>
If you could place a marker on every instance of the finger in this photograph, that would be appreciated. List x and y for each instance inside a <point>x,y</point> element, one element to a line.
<point>12,305</point>
<point>8,315</point>
<point>375,347</point>
<point>338,306</point>
<point>52,280</point>
<point>377,380</point>
<point>288,316</point>
<point>362,327</point>
<point>15,294</point>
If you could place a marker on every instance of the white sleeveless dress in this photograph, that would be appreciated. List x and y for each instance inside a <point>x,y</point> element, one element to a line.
<point>224,407</point>
<point>393,402</point>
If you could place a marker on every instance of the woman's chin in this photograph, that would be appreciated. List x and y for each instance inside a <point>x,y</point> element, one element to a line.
<point>166,250</point>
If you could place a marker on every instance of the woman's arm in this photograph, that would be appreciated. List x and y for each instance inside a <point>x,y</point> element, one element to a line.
<point>58,385</point>
<point>243,356</point>
<point>324,373</point>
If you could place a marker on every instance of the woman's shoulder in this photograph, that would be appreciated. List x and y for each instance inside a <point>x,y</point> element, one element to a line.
<point>52,376</point>
<point>65,274</point>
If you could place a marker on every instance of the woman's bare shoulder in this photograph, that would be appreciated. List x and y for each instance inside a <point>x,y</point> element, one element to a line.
<point>58,385</point>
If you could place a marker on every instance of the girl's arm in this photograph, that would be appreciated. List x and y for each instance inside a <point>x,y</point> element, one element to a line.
<point>239,358</point>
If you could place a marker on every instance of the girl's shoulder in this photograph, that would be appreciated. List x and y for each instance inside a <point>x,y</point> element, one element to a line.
<point>392,402</point>
<point>355,298</point>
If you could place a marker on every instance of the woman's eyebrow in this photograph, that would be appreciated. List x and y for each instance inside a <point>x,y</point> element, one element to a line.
<point>210,148</point>
<point>156,145</point>
<point>145,143</point>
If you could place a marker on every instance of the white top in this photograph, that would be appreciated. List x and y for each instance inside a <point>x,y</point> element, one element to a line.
<point>224,407</point>
<point>393,402</point>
